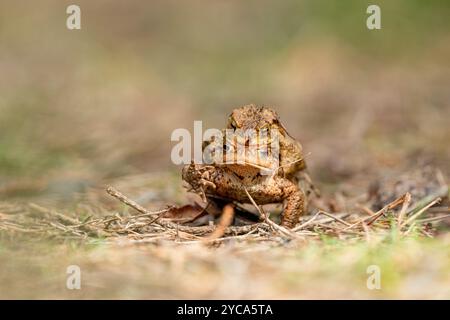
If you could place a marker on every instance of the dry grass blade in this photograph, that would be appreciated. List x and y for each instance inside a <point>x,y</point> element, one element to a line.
<point>202,230</point>
<point>418,213</point>
<point>223,239</point>
<point>304,225</point>
<point>366,232</point>
<point>334,218</point>
<point>70,222</point>
<point>116,194</point>
<point>97,221</point>
<point>366,210</point>
<point>440,193</point>
<point>389,206</point>
<point>405,206</point>
<point>377,214</point>
<point>434,218</point>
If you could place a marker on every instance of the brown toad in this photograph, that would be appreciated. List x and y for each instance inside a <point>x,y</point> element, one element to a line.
<point>262,118</point>
<point>245,156</point>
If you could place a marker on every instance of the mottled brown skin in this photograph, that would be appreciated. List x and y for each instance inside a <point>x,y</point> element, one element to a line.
<point>231,181</point>
<point>259,117</point>
<point>223,182</point>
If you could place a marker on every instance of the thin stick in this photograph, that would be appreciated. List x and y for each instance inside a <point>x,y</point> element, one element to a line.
<point>390,206</point>
<point>378,214</point>
<point>242,236</point>
<point>116,194</point>
<point>434,218</point>
<point>440,193</point>
<point>300,227</point>
<point>405,206</point>
<point>225,221</point>
<point>168,224</point>
<point>366,232</point>
<point>335,218</point>
<point>366,210</point>
<point>416,215</point>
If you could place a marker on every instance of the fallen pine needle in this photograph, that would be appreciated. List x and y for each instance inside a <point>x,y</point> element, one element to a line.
<point>405,206</point>
<point>303,225</point>
<point>116,194</point>
<point>335,218</point>
<point>418,213</point>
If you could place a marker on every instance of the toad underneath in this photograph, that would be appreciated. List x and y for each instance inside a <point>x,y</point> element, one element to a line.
<point>260,159</point>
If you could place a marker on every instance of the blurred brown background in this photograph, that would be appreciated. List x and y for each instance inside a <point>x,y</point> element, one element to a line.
<point>83,108</point>
<point>79,106</point>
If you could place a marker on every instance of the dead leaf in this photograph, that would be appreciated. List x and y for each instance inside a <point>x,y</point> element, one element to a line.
<point>184,214</point>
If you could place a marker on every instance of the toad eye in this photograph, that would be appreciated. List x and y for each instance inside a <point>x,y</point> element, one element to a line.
<point>227,148</point>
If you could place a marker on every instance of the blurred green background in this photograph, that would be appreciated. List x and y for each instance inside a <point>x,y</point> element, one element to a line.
<point>79,106</point>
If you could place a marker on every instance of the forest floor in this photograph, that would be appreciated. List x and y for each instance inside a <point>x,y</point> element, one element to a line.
<point>158,253</point>
<point>84,110</point>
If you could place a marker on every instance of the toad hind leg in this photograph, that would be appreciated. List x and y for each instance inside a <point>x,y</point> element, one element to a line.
<point>294,205</point>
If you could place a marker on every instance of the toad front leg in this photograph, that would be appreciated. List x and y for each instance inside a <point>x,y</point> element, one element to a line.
<point>199,178</point>
<point>263,189</point>
<point>278,189</point>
